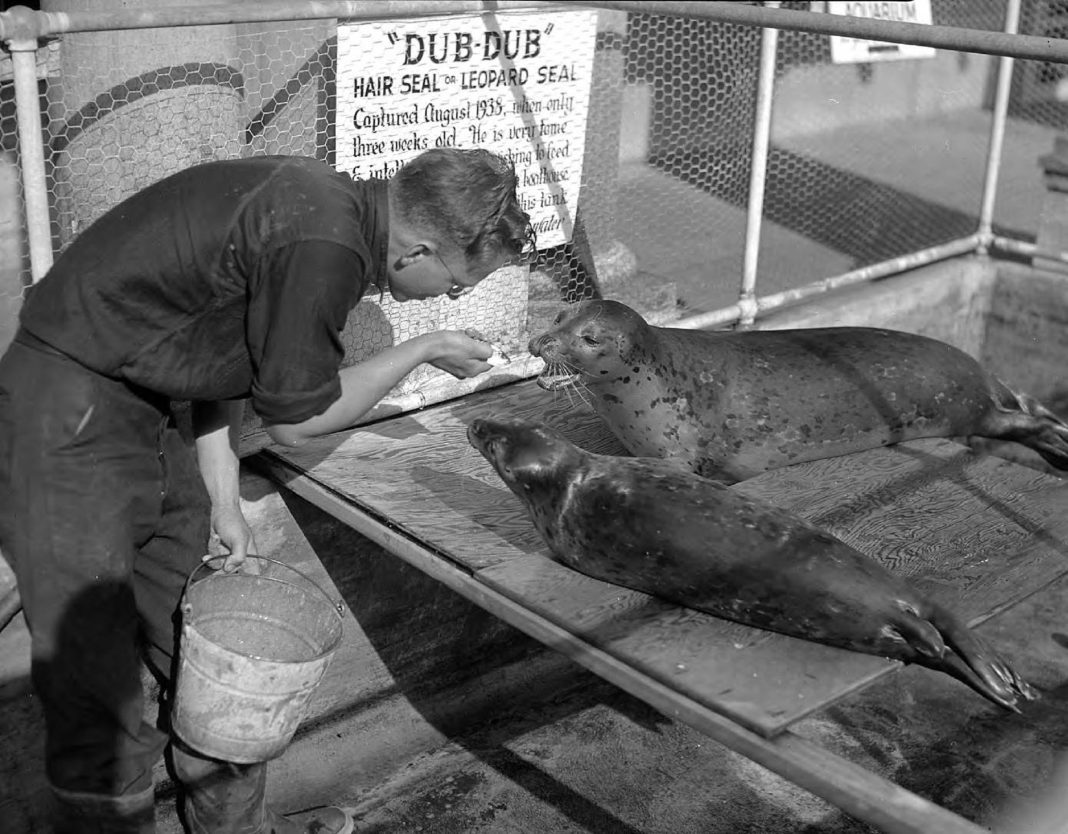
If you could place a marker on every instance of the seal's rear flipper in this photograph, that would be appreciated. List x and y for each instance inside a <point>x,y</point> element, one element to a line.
<point>1022,418</point>
<point>977,664</point>
<point>1052,439</point>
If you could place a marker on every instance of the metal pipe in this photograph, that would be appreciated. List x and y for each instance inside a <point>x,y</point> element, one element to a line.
<point>920,34</point>
<point>728,315</point>
<point>31,156</point>
<point>1026,248</point>
<point>758,171</point>
<point>56,23</point>
<point>997,127</point>
<point>942,37</point>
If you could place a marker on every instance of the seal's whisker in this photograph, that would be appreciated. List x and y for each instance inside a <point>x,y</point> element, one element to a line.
<point>569,389</point>
<point>554,368</point>
<point>583,393</point>
<point>563,366</point>
<point>574,386</point>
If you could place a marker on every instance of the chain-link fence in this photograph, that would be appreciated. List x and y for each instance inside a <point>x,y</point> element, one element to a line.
<point>868,159</point>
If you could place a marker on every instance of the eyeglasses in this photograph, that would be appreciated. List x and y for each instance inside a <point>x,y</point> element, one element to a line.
<point>457,289</point>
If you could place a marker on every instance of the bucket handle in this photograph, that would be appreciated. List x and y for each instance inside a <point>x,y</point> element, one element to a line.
<point>187,609</point>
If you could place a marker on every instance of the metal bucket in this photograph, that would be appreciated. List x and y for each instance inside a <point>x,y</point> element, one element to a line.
<point>253,649</point>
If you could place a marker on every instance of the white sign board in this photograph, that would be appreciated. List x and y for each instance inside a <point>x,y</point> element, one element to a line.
<point>516,83</point>
<point>857,50</point>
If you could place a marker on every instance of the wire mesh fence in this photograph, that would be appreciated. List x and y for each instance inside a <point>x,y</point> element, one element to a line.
<point>868,160</point>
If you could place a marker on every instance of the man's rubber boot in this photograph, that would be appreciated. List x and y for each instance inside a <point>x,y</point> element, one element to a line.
<point>226,798</point>
<point>329,820</point>
<point>94,813</point>
<point>220,797</point>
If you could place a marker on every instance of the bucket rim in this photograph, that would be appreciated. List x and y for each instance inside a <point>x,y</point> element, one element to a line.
<point>328,650</point>
<point>336,606</point>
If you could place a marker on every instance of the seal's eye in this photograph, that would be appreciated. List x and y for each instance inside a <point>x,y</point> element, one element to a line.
<point>590,340</point>
<point>559,317</point>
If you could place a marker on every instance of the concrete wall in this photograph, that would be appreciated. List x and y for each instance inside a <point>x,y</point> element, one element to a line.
<point>1011,317</point>
<point>693,86</point>
<point>818,98</point>
<point>948,301</point>
<point>1026,337</point>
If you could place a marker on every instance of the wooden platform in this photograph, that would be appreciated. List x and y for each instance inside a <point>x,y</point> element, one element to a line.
<point>977,533</point>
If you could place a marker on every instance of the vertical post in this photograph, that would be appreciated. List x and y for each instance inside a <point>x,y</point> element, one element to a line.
<point>31,155</point>
<point>997,130</point>
<point>758,171</point>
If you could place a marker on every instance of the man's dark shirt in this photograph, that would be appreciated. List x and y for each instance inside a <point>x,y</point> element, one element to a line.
<point>228,279</point>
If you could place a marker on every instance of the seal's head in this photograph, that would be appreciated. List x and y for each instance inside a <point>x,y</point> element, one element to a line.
<point>588,343</point>
<point>525,455</point>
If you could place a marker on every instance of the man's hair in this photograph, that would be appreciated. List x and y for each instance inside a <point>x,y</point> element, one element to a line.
<point>466,199</point>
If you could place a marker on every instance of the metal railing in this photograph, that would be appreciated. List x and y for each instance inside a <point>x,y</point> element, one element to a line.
<point>22,30</point>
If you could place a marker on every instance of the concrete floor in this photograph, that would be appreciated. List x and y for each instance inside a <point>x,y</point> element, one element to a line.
<point>562,751</point>
<point>581,756</point>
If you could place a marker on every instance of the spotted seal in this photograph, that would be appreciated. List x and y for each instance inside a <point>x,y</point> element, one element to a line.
<point>654,526</point>
<point>734,404</point>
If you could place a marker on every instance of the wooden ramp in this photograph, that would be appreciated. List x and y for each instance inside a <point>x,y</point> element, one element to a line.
<point>976,533</point>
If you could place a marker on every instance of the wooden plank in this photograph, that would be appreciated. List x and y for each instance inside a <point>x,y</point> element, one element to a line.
<point>974,532</point>
<point>764,681</point>
<point>939,515</point>
<point>410,471</point>
<point>861,793</point>
<point>484,529</point>
<point>419,471</point>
